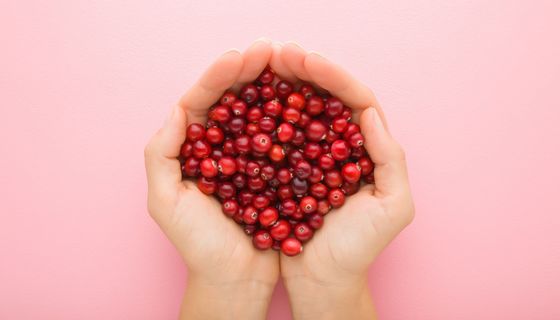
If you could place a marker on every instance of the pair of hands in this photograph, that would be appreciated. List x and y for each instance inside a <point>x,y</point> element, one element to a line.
<point>228,278</point>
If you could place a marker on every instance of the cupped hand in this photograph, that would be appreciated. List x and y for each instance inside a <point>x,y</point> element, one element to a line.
<point>220,258</point>
<point>335,262</point>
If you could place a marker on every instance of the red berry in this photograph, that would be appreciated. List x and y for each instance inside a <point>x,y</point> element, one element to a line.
<point>268,172</point>
<point>249,93</point>
<point>312,150</point>
<point>249,229</point>
<point>356,140</point>
<point>280,230</point>
<point>272,108</point>
<point>220,114</point>
<point>318,190</point>
<point>333,107</point>
<point>237,125</point>
<point>316,131</point>
<point>291,115</point>
<point>339,124</point>
<point>230,207</point>
<point>302,169</point>
<point>347,113</point>
<point>299,186</point>
<point>303,231</point>
<point>370,178</point>
<point>296,101</point>
<point>299,138</point>
<point>350,188</point>
<point>243,144</point>
<point>285,192</point>
<point>254,114</point>
<point>283,89</point>
<point>186,149</point>
<point>366,165</point>
<point>261,142</point>
<point>195,132</point>
<point>315,106</point>
<point>267,92</point>
<point>316,175</point>
<point>307,90</point>
<point>228,148</point>
<point>326,161</point>
<point>291,247</point>
<point>315,220</point>
<point>304,120</point>
<point>333,178</point>
<point>285,132</point>
<point>241,163</point>
<point>214,135</point>
<point>262,240</point>
<point>252,129</point>
<point>261,201</point>
<point>239,180</point>
<point>276,153</point>
<point>336,198</point>
<point>295,156</point>
<point>266,77</point>
<point>351,172</point>
<point>284,176</point>
<point>227,166</point>
<point>350,130</point>
<point>308,204</point>
<point>226,190</point>
<point>216,154</point>
<point>207,186</point>
<point>289,207</point>
<point>253,169</point>
<point>228,98</point>
<point>191,168</point>
<point>250,215</point>
<point>208,168</point>
<point>245,198</point>
<point>239,108</point>
<point>323,207</point>
<point>201,149</point>
<point>267,125</point>
<point>256,184</point>
<point>340,150</point>
<point>268,217</point>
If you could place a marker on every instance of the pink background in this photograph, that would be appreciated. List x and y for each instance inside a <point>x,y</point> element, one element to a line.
<point>470,89</point>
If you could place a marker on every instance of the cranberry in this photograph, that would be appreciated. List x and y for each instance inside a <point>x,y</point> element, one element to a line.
<point>267,92</point>
<point>214,135</point>
<point>350,130</point>
<point>291,247</point>
<point>267,125</point>
<point>299,186</point>
<point>291,115</point>
<point>249,229</point>
<point>201,149</point>
<point>351,172</point>
<point>283,89</point>
<point>272,108</point>
<point>228,98</point>
<point>220,114</point>
<point>307,90</point>
<point>308,204</point>
<point>315,106</point>
<point>206,185</point>
<point>268,216</point>
<point>268,172</point>
<point>186,149</point>
<point>249,93</point>
<point>241,163</point>
<point>302,169</point>
<point>262,240</point>
<point>284,176</point>
<point>261,142</point>
<point>339,124</point>
<point>285,192</point>
<point>295,156</point>
<point>276,153</point>
<point>326,161</point>
<point>333,107</point>
<point>261,201</point>
<point>280,230</point>
<point>228,148</point>
<point>253,169</point>
<point>316,175</point>
<point>350,188</point>
<point>250,215</point>
<point>236,125</point>
<point>347,113</point>
<point>230,207</point>
<point>191,168</point>
<point>356,140</point>
<point>370,178</point>
<point>304,120</point>
<point>296,101</point>
<point>252,129</point>
<point>333,178</point>
<point>299,138</point>
<point>285,132</point>
<point>226,190</point>
<point>323,207</point>
<point>256,184</point>
<point>315,220</point>
<point>195,132</point>
<point>243,144</point>
<point>318,190</point>
<point>312,150</point>
<point>340,150</point>
<point>316,131</point>
<point>331,136</point>
<point>245,198</point>
<point>239,180</point>
<point>303,231</point>
<point>336,198</point>
<point>254,114</point>
<point>239,108</point>
<point>266,77</point>
<point>208,168</point>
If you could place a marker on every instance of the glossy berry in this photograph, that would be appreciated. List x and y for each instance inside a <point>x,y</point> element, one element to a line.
<point>333,107</point>
<point>261,142</point>
<point>272,108</point>
<point>276,153</point>
<point>260,201</point>
<point>195,132</point>
<point>316,175</point>
<point>333,178</point>
<point>315,106</point>
<point>308,204</point>
<point>315,220</point>
<point>201,149</point>
<point>267,92</point>
<point>280,230</point>
<point>307,90</point>
<point>262,240</point>
<point>237,125</point>
<point>318,190</point>
<point>250,215</point>
<point>214,135</point>
<point>296,101</point>
<point>220,114</point>
<point>267,125</point>
<point>254,114</point>
<point>302,169</point>
<point>243,144</point>
<point>366,165</point>
<point>227,166</point>
<point>283,89</point>
<point>228,99</point>
<point>351,172</point>
<point>312,150</point>
<point>206,185</point>
<point>191,168</point>
<point>356,140</point>
<point>340,150</point>
<point>226,190</point>
<point>239,108</point>
<point>299,186</point>
<point>326,161</point>
<point>336,198</point>
<point>249,93</point>
<point>323,207</point>
<point>291,247</point>
<point>266,77</point>
<point>208,168</point>
<point>230,207</point>
<point>285,132</point>
<point>291,115</point>
<point>268,216</point>
<point>339,124</point>
<point>289,207</point>
<point>315,131</point>
<point>186,149</point>
<point>303,231</point>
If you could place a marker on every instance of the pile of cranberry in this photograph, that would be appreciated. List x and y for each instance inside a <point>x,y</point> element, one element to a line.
<point>278,159</point>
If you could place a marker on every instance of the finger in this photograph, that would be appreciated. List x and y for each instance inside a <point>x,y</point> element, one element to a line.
<point>279,66</point>
<point>220,76</point>
<point>390,171</point>
<point>160,155</point>
<point>255,59</point>
<point>341,84</point>
<point>293,57</point>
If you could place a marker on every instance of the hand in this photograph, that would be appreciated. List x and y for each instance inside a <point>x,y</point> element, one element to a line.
<point>329,278</point>
<point>228,278</point>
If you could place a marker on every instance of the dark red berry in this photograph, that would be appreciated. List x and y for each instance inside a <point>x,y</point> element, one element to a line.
<point>303,231</point>
<point>340,150</point>
<point>351,172</point>
<point>249,93</point>
<point>262,240</point>
<point>333,107</point>
<point>284,88</point>
<point>336,198</point>
<point>195,132</point>
<point>206,185</point>
<point>291,247</point>
<point>214,135</point>
<point>230,207</point>
<point>308,204</point>
<point>315,220</point>
<point>250,215</point>
<point>316,131</point>
<point>307,90</point>
<point>318,190</point>
<point>201,149</point>
<point>268,217</point>
<point>208,168</point>
<point>280,230</point>
<point>315,106</point>
<point>228,98</point>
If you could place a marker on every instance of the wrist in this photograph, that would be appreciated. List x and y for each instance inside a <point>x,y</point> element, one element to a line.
<point>314,299</point>
<point>239,299</point>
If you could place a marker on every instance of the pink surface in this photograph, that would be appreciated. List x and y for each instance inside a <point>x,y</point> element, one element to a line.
<point>470,89</point>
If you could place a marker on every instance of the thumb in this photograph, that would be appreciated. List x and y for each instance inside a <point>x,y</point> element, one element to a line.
<point>390,165</point>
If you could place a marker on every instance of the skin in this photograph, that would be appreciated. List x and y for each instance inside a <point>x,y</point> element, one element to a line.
<point>228,278</point>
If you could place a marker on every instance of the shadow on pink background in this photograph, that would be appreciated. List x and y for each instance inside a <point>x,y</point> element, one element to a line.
<point>470,89</point>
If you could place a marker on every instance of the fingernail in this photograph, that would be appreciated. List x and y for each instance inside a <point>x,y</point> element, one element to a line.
<point>263,39</point>
<point>232,50</point>
<point>295,44</point>
<point>317,54</point>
